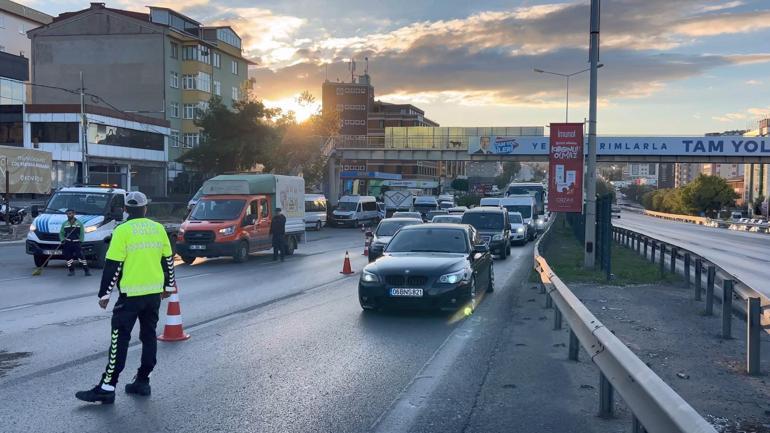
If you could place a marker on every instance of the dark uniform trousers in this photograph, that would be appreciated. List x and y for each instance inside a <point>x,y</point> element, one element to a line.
<point>124,315</point>
<point>72,251</point>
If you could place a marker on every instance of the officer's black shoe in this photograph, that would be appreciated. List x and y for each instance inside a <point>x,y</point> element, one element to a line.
<point>88,273</point>
<point>71,273</point>
<point>96,394</point>
<point>139,387</point>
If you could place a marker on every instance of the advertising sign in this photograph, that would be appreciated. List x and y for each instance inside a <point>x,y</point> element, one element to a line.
<point>565,163</point>
<point>30,170</point>
<point>506,145</point>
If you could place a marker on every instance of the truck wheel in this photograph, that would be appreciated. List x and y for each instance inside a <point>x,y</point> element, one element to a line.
<point>242,252</point>
<point>291,245</point>
<point>318,226</point>
<point>188,259</point>
<point>39,260</point>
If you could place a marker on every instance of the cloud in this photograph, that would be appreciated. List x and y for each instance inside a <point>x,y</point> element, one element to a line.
<point>723,6</point>
<point>712,25</point>
<point>730,117</point>
<point>753,82</point>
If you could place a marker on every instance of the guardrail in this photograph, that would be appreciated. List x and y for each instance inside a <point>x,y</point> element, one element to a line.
<point>656,408</point>
<point>755,307</point>
<point>677,217</point>
<point>710,222</point>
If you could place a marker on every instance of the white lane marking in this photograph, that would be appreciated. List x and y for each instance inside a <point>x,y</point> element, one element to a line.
<point>185,277</point>
<point>403,411</point>
<point>18,307</point>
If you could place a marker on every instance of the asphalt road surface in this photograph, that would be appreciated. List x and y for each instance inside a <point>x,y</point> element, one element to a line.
<point>743,254</point>
<point>285,347</point>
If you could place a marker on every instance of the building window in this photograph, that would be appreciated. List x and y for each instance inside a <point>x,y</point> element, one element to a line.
<point>234,67</point>
<point>218,88</point>
<point>56,132</point>
<point>173,79</point>
<point>190,140</point>
<point>173,138</point>
<point>11,92</point>
<point>204,82</point>
<point>174,50</point>
<point>189,111</point>
<point>204,54</point>
<point>236,94</point>
<point>217,60</point>
<point>125,137</point>
<point>173,110</point>
<point>190,52</point>
<point>190,82</point>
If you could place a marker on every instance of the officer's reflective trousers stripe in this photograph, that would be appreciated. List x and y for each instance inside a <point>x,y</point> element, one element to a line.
<point>124,316</point>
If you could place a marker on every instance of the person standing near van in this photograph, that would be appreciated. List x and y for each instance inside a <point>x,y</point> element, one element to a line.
<point>278,230</point>
<point>71,236</point>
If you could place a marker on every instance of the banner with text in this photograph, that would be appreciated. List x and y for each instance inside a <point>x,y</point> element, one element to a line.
<point>29,169</point>
<point>565,168</point>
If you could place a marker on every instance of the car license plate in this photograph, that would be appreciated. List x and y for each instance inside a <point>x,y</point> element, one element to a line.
<point>405,292</point>
<point>197,247</point>
<point>49,252</point>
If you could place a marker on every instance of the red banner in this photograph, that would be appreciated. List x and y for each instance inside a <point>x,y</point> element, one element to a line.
<point>565,168</point>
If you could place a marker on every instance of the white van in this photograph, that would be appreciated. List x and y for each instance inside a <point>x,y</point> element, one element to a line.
<point>353,210</point>
<point>526,206</point>
<point>315,211</point>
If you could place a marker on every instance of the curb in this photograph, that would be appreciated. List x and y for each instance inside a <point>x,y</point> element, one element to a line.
<point>11,243</point>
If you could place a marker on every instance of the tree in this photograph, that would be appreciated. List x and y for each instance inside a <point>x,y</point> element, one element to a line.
<point>707,194</point>
<point>635,192</point>
<point>510,169</point>
<point>460,184</point>
<point>232,140</point>
<point>604,187</point>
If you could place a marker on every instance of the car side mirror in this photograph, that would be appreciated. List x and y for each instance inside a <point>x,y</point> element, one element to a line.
<point>35,211</point>
<point>117,214</point>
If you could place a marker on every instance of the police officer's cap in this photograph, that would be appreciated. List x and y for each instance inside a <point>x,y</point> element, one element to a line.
<point>136,199</point>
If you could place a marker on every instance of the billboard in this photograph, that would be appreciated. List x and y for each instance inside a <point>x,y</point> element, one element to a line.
<point>565,168</point>
<point>30,170</point>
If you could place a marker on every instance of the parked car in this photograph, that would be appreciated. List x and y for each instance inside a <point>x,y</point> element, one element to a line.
<point>353,210</point>
<point>519,228</point>
<point>385,231</point>
<point>417,215</point>
<point>429,266</point>
<point>493,226</point>
<point>315,211</point>
<point>447,219</point>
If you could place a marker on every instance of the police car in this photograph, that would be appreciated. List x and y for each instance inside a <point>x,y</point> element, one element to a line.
<point>98,208</point>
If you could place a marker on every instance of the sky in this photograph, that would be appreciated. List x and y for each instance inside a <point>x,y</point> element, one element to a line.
<point>671,67</point>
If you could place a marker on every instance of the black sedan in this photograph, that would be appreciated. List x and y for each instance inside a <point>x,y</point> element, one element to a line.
<point>429,266</point>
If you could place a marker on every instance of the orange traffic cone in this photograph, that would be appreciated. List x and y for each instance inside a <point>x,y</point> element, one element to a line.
<point>346,269</point>
<point>366,246</point>
<point>173,330</point>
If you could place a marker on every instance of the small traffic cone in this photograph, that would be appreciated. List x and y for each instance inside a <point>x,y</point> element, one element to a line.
<point>366,246</point>
<point>346,269</point>
<point>173,330</point>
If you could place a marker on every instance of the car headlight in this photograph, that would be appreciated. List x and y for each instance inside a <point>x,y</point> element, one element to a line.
<point>90,229</point>
<point>369,277</point>
<point>32,227</point>
<point>227,231</point>
<point>497,237</point>
<point>520,230</point>
<point>455,277</point>
<point>540,222</point>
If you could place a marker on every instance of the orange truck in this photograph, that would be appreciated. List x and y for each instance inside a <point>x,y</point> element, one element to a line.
<point>233,216</point>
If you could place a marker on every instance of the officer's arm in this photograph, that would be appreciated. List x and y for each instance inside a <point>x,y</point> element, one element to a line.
<point>113,264</point>
<point>61,233</point>
<point>167,263</point>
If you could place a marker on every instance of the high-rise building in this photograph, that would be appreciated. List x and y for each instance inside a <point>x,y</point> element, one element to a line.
<point>641,173</point>
<point>666,175</point>
<point>685,172</point>
<point>160,64</point>
<point>727,171</point>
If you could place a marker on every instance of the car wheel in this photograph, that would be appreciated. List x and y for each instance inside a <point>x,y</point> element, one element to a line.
<point>188,259</point>
<point>291,245</point>
<point>491,286</point>
<point>318,226</point>
<point>40,260</point>
<point>242,253</point>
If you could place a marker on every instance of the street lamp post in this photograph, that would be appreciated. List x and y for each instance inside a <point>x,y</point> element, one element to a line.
<point>566,77</point>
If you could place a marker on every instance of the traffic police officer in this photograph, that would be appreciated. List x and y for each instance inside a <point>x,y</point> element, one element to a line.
<point>71,236</point>
<point>140,264</point>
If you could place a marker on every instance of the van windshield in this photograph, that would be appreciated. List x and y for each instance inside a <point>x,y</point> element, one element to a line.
<point>524,210</point>
<point>217,209</point>
<point>514,218</point>
<point>83,203</point>
<point>484,221</point>
<point>347,205</point>
<point>315,205</point>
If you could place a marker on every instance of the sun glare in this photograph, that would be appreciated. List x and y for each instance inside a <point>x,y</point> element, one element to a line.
<point>301,111</point>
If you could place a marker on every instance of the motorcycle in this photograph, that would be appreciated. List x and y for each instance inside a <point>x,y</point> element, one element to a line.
<point>15,214</point>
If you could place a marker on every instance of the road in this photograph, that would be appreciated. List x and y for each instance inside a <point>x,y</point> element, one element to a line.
<point>285,347</point>
<point>743,254</point>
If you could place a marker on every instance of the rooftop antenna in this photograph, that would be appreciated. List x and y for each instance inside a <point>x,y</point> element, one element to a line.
<point>366,66</point>
<point>326,66</point>
<point>352,67</point>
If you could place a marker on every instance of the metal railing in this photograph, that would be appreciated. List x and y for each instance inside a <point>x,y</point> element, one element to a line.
<point>719,286</point>
<point>677,217</point>
<point>656,408</point>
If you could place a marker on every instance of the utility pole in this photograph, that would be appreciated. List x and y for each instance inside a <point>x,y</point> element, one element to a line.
<point>83,131</point>
<point>7,195</point>
<point>590,212</point>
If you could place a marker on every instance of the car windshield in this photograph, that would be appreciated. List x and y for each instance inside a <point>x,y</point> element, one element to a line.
<point>347,205</point>
<point>389,228</point>
<point>315,205</point>
<point>446,219</point>
<point>217,209</point>
<point>429,240</point>
<point>484,221</point>
<point>524,210</point>
<point>515,218</point>
<point>83,203</point>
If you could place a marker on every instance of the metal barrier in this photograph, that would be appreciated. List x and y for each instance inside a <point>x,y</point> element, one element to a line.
<point>656,408</point>
<point>677,217</point>
<point>720,286</point>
